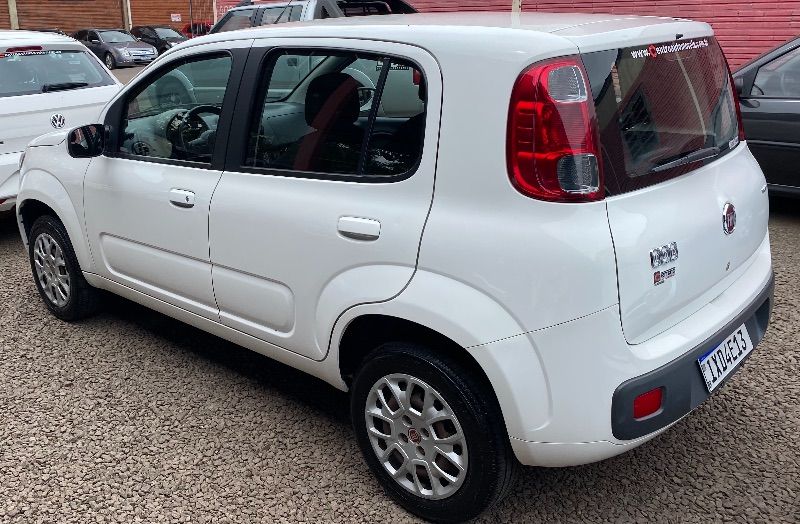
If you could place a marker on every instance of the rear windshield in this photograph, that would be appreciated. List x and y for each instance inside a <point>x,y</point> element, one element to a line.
<point>166,32</point>
<point>31,72</point>
<point>663,110</point>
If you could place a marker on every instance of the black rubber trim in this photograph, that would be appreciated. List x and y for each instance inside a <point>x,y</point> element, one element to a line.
<point>684,387</point>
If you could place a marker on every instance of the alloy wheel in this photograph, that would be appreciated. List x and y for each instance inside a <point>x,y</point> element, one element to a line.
<point>416,436</point>
<point>51,270</point>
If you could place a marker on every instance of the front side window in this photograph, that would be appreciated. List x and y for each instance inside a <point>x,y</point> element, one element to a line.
<point>238,19</point>
<point>116,37</point>
<point>176,115</point>
<point>779,78</point>
<point>323,112</point>
<point>31,72</point>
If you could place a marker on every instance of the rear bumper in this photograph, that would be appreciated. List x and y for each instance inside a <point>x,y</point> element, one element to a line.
<point>683,385</point>
<point>592,374</point>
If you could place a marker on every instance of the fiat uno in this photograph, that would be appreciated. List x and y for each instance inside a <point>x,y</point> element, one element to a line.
<point>531,239</point>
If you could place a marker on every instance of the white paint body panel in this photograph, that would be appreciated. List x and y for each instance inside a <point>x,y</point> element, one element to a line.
<point>527,288</point>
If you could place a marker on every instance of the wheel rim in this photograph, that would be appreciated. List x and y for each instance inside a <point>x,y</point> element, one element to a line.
<point>416,436</point>
<point>51,270</point>
<point>109,61</point>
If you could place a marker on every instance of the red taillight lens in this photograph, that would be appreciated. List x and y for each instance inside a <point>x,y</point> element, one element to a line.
<point>553,144</point>
<point>647,403</point>
<point>24,49</point>
<point>416,77</point>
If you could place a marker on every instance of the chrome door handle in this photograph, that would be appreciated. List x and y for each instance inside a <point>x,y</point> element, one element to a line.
<point>182,198</point>
<point>359,228</point>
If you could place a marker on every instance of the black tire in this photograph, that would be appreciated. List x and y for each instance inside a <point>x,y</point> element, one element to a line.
<point>83,299</point>
<point>492,468</point>
<point>110,62</point>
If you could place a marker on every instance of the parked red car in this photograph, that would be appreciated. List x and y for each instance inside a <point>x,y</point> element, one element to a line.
<point>198,28</point>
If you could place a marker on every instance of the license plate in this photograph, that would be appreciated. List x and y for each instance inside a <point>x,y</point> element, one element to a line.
<point>725,358</point>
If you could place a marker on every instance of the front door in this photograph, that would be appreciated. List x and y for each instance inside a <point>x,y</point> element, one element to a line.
<point>323,205</point>
<point>147,198</point>
<point>771,114</point>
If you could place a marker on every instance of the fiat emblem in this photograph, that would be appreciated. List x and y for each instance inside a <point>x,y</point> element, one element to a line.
<point>57,120</point>
<point>728,218</point>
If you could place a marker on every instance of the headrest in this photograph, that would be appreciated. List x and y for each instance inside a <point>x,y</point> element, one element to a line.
<point>333,99</point>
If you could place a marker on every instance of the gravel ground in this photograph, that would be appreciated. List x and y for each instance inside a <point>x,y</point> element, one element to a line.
<point>134,417</point>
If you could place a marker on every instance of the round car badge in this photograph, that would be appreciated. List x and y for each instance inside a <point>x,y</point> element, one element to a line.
<point>58,121</point>
<point>414,436</point>
<point>728,218</point>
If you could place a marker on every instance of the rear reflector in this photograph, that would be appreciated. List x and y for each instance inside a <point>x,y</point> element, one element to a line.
<point>553,143</point>
<point>647,403</point>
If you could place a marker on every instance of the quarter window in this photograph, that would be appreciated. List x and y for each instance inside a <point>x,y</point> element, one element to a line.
<point>238,19</point>
<point>175,116</point>
<point>340,113</point>
<point>779,78</point>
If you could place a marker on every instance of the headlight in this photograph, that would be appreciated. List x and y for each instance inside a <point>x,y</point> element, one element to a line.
<point>125,52</point>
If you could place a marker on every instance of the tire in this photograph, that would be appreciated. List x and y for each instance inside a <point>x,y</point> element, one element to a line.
<point>488,467</point>
<point>71,302</point>
<point>110,62</point>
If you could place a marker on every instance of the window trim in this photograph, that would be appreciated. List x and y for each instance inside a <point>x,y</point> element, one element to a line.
<point>117,111</point>
<point>251,104</point>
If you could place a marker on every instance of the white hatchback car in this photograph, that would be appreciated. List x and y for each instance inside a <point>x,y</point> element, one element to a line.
<point>533,239</point>
<point>47,82</point>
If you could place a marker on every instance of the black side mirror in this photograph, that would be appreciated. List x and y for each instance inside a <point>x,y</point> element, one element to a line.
<point>738,84</point>
<point>87,141</point>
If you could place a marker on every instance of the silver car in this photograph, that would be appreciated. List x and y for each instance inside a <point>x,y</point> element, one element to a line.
<point>117,47</point>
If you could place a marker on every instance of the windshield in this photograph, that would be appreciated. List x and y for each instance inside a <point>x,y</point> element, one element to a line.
<point>166,32</point>
<point>116,37</point>
<point>663,109</point>
<point>32,72</point>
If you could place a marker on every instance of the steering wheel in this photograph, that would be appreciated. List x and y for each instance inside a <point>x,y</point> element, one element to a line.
<point>185,127</point>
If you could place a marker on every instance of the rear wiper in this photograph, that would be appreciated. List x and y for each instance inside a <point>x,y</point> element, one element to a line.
<point>694,156</point>
<point>63,86</point>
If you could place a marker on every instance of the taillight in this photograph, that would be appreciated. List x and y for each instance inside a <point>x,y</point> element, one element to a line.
<point>553,143</point>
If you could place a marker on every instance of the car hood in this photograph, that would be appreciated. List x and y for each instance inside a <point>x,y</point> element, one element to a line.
<point>131,45</point>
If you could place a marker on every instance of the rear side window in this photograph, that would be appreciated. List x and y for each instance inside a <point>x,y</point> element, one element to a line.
<point>277,15</point>
<point>31,72</point>
<point>659,105</point>
<point>238,19</point>
<point>340,113</point>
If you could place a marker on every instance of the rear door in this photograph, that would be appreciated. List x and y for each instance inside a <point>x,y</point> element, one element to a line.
<point>771,113</point>
<point>676,178</point>
<point>318,209</point>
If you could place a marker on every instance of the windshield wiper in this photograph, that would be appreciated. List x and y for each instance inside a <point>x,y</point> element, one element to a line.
<point>694,156</point>
<point>63,86</point>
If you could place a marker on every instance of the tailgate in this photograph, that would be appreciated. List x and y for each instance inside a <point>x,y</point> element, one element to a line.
<point>685,203</point>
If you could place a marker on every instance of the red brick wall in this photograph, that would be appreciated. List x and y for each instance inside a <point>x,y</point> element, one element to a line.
<point>158,12</point>
<point>744,28</point>
<point>68,15</point>
<point>5,21</point>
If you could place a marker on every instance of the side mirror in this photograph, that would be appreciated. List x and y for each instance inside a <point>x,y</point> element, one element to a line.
<point>87,141</point>
<point>738,84</point>
<point>365,96</point>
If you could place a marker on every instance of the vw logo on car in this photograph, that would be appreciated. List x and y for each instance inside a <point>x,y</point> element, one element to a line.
<point>58,121</point>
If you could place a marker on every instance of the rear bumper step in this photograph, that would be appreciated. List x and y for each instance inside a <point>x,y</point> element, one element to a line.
<point>684,388</point>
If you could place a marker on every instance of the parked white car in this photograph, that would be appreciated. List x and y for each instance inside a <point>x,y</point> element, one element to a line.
<point>554,253</point>
<point>47,81</point>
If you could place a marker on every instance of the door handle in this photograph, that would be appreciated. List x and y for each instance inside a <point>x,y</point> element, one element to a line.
<point>359,228</point>
<point>182,198</point>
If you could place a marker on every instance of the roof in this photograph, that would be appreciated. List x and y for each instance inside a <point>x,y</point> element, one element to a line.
<point>535,21</point>
<point>20,37</point>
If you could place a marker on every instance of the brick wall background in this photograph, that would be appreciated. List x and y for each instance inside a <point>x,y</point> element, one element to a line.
<point>157,12</point>
<point>5,22</point>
